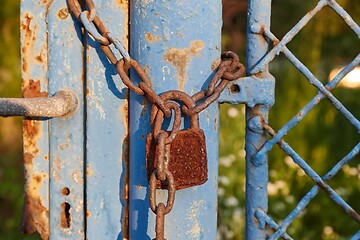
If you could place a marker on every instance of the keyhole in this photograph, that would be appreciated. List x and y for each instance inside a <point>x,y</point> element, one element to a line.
<point>65,215</point>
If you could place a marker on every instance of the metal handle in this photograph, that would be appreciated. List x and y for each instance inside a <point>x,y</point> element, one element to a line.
<point>61,104</point>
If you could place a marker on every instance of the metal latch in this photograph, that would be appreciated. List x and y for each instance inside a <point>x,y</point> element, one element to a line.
<point>250,91</point>
<point>61,104</point>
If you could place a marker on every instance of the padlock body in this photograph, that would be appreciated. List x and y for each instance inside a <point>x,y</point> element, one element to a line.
<point>188,159</point>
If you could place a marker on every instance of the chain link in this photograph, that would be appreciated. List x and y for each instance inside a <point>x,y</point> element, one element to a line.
<point>229,69</point>
<point>168,103</point>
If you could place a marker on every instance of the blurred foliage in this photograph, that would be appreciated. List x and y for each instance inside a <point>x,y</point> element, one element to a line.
<point>11,167</point>
<point>322,138</point>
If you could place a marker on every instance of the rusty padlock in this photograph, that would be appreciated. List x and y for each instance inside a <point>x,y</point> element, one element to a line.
<point>187,159</point>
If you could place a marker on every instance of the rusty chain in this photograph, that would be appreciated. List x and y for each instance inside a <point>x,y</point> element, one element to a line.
<point>228,70</point>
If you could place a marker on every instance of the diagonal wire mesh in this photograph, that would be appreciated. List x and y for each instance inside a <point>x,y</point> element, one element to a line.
<point>323,92</point>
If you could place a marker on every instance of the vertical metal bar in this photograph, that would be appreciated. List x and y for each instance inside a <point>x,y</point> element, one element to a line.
<point>106,132</point>
<point>66,71</point>
<point>177,42</point>
<point>34,64</point>
<point>256,175</point>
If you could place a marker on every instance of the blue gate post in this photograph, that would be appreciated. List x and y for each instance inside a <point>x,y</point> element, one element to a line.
<point>256,175</point>
<point>106,132</point>
<point>178,44</point>
<point>66,140</point>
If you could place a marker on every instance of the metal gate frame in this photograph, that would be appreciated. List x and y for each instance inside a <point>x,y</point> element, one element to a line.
<point>77,176</point>
<point>257,145</point>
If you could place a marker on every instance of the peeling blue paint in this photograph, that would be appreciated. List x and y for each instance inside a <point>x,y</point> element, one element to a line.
<point>177,49</point>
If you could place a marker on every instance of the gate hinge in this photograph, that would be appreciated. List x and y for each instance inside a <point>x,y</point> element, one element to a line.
<point>250,91</point>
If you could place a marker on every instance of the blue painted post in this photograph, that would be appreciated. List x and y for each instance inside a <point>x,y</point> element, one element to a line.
<point>106,132</point>
<point>66,71</point>
<point>256,175</point>
<point>177,43</point>
<point>34,70</point>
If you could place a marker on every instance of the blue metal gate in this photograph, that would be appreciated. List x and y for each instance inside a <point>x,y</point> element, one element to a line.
<point>258,146</point>
<point>86,172</point>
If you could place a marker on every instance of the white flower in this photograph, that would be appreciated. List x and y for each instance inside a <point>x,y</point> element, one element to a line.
<point>221,191</point>
<point>272,189</point>
<point>300,172</point>
<point>231,202</point>
<point>242,153</point>
<point>237,215</point>
<point>290,199</point>
<point>224,180</point>
<point>290,162</point>
<point>227,161</point>
<point>328,230</point>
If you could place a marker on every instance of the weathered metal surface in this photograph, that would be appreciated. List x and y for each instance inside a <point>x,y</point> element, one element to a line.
<point>177,46</point>
<point>264,220</point>
<point>61,104</point>
<point>324,92</point>
<point>256,176</point>
<point>34,63</point>
<point>310,105</point>
<point>107,132</point>
<point>249,90</point>
<point>66,72</point>
<point>188,161</point>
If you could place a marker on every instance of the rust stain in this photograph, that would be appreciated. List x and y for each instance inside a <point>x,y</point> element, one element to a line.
<point>40,57</point>
<point>63,13</point>
<point>34,52</point>
<point>32,88</point>
<point>89,170</point>
<point>125,114</point>
<point>152,38</point>
<point>77,177</point>
<point>88,213</point>
<point>179,35</point>
<point>28,40</point>
<point>45,2</point>
<point>180,59</point>
<point>144,3</point>
<point>125,160</point>
<point>28,158</point>
<point>29,58</point>
<point>125,192</point>
<point>35,215</point>
<point>215,64</point>
<point>124,5</point>
<point>32,132</point>
<point>215,124</point>
<point>57,169</point>
<point>64,145</point>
